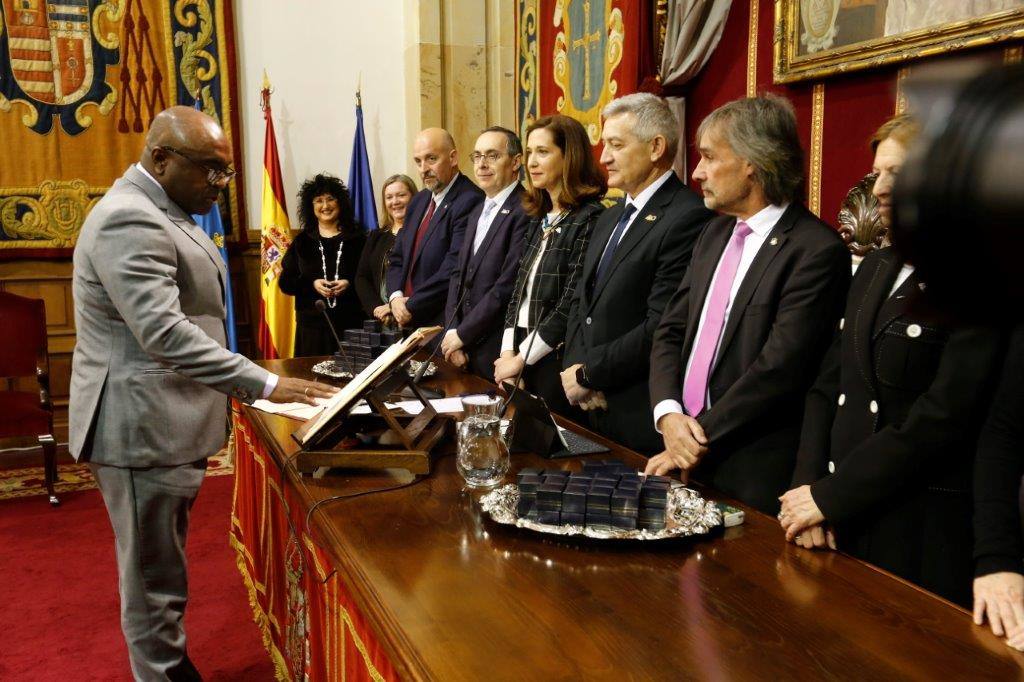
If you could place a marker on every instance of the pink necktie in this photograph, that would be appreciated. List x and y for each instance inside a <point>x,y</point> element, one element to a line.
<point>695,383</point>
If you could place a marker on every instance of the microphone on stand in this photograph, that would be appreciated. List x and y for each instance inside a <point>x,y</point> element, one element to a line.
<point>423,368</point>
<point>322,307</point>
<point>519,377</point>
<point>529,346</point>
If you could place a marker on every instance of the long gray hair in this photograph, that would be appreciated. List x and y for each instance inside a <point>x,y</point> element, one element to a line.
<point>762,130</point>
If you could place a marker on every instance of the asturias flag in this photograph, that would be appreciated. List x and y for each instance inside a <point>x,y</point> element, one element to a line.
<point>214,228</point>
<point>276,334</point>
<point>360,184</point>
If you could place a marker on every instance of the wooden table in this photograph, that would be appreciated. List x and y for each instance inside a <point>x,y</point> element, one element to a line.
<point>433,590</point>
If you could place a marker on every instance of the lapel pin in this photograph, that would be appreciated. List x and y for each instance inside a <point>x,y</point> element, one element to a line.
<point>651,217</point>
<point>504,211</point>
<point>920,285</point>
<point>774,241</point>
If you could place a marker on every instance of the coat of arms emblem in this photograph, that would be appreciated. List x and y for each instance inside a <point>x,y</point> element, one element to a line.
<point>53,59</point>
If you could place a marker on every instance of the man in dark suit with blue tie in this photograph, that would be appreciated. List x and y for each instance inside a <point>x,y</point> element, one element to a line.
<point>485,277</point>
<point>427,251</point>
<point>637,256</point>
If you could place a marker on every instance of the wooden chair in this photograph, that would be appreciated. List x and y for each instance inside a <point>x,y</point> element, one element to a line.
<point>26,417</point>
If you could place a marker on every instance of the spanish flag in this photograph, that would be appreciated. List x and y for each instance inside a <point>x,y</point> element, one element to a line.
<point>276,335</point>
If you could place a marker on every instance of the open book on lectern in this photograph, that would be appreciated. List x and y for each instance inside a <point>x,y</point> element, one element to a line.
<point>388,361</point>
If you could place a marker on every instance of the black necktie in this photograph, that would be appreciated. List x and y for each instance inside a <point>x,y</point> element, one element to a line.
<point>613,243</point>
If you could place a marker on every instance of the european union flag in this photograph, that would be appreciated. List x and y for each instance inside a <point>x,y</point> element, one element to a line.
<point>360,184</point>
<point>213,227</point>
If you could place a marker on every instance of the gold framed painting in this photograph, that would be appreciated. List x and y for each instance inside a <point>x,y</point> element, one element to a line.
<point>818,38</point>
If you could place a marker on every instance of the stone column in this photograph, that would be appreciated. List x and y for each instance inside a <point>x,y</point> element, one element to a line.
<point>460,68</point>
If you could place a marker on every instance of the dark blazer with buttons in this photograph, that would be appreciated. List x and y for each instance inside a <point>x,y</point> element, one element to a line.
<point>560,268</point>
<point>483,282</point>
<point>779,327</point>
<point>438,254</point>
<point>895,413</point>
<point>611,323</point>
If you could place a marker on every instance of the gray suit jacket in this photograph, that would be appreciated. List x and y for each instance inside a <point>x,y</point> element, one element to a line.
<point>150,367</point>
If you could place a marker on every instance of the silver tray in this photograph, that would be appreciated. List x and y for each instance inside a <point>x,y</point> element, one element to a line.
<point>687,514</point>
<point>330,368</point>
<point>414,366</point>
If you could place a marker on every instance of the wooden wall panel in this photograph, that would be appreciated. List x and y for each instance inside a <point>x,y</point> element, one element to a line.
<point>50,280</point>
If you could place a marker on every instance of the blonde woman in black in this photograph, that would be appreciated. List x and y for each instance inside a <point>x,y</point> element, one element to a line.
<point>395,195</point>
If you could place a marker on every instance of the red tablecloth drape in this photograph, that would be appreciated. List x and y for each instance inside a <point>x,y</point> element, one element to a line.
<point>310,624</point>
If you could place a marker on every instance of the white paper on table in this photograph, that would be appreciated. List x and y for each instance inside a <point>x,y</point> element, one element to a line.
<point>293,410</point>
<point>304,411</point>
<point>362,407</point>
<point>440,405</point>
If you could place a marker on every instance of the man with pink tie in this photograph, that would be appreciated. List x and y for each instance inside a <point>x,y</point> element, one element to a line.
<point>741,340</point>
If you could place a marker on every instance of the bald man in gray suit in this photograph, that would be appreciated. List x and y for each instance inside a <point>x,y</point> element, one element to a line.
<point>150,371</point>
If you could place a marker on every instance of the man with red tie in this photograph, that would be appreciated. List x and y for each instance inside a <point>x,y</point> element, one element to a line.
<point>426,252</point>
<point>742,338</point>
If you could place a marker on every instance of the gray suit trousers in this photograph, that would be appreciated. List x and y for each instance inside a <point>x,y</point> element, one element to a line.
<point>149,510</point>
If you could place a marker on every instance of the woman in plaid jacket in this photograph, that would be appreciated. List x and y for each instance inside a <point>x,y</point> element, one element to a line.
<point>563,189</point>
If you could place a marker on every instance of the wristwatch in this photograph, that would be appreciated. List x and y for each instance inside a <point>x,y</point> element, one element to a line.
<point>581,377</point>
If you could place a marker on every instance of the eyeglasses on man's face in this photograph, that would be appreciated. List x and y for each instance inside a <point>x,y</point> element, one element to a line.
<point>492,157</point>
<point>214,176</point>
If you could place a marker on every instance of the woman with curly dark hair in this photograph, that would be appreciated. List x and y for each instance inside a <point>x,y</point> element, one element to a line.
<point>321,265</point>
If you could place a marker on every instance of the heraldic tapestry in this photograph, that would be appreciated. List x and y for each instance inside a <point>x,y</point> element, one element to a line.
<point>80,82</point>
<point>575,56</point>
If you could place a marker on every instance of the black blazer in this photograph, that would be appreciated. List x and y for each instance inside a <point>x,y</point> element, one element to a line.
<point>485,281</point>
<point>559,271</point>
<point>896,413</point>
<point>372,269</point>
<point>779,327</point>
<point>998,544</point>
<point>611,326</point>
<point>439,250</point>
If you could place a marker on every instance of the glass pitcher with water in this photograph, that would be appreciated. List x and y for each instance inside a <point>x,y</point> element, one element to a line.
<point>482,458</point>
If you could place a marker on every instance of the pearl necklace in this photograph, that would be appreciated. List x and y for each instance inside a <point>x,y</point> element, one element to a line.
<point>332,301</point>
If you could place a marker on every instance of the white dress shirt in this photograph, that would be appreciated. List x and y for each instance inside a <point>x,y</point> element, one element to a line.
<point>905,272</point>
<point>483,225</point>
<point>761,224</point>
<point>271,383</point>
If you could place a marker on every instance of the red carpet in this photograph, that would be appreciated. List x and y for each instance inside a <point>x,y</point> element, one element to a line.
<point>59,614</point>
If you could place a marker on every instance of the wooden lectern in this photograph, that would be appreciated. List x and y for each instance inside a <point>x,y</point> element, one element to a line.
<point>337,438</point>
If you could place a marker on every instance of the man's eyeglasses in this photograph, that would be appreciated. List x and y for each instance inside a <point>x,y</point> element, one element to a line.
<point>492,157</point>
<point>214,176</point>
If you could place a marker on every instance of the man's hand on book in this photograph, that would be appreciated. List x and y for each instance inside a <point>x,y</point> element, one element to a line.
<point>291,390</point>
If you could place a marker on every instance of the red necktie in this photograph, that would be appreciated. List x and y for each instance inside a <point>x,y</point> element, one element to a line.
<point>420,231</point>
